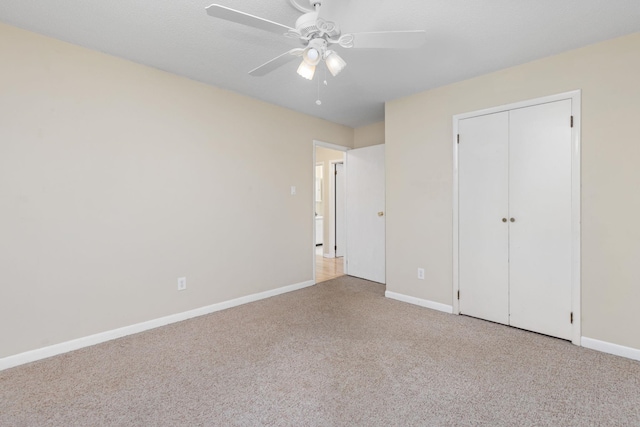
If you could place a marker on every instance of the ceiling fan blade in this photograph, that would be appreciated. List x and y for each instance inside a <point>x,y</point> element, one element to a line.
<point>385,40</point>
<point>236,16</point>
<point>276,62</point>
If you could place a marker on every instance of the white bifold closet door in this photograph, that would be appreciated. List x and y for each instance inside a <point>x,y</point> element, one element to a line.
<point>515,218</point>
<point>540,203</point>
<point>483,191</point>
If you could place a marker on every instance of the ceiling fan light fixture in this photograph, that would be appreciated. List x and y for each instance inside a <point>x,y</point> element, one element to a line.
<point>306,70</point>
<point>311,56</point>
<point>335,63</point>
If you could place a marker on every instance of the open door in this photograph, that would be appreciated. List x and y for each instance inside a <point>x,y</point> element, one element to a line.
<point>365,204</point>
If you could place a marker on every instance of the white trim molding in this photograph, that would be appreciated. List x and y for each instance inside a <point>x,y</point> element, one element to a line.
<point>329,145</point>
<point>576,111</point>
<point>332,205</point>
<point>76,344</point>
<point>615,349</point>
<point>420,302</point>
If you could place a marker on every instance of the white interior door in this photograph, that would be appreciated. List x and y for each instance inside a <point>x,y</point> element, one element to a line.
<point>365,213</point>
<point>340,219</point>
<point>540,205</point>
<point>483,155</point>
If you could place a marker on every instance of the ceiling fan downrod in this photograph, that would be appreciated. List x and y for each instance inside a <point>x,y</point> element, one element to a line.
<point>304,9</point>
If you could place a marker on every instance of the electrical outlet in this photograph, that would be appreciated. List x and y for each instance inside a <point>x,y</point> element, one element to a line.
<point>421,273</point>
<point>182,283</point>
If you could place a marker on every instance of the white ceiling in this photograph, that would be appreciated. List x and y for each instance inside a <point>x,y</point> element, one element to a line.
<point>465,38</point>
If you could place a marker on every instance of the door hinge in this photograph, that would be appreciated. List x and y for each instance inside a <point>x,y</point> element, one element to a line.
<point>335,173</point>
<point>571,317</point>
<point>458,294</point>
<point>458,138</point>
<point>571,121</point>
<point>335,248</point>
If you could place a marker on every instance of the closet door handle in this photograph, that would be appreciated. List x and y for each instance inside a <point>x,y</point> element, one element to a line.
<point>513,220</point>
<point>504,219</point>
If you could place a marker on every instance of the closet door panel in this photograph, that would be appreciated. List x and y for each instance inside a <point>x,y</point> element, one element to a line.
<point>483,236</point>
<point>540,204</point>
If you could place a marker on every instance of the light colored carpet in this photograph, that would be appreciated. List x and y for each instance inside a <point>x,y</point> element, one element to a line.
<point>336,354</point>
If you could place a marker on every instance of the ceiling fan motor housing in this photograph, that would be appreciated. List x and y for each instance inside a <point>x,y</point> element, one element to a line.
<point>309,26</point>
<point>306,24</point>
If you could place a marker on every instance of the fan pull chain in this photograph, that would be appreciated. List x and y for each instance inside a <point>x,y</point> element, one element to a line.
<point>318,101</point>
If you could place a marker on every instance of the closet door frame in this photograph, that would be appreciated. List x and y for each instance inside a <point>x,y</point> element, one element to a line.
<point>575,97</point>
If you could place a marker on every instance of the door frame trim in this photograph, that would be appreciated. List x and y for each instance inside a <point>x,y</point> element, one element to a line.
<point>323,144</point>
<point>576,110</point>
<point>333,204</point>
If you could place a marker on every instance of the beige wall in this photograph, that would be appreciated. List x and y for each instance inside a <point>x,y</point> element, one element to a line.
<point>116,179</point>
<point>419,178</point>
<point>325,156</point>
<point>366,136</point>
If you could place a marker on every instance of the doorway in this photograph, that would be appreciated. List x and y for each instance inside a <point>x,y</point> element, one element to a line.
<point>329,202</point>
<point>351,210</point>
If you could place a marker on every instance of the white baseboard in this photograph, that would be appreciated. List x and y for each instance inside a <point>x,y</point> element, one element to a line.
<point>65,347</point>
<point>421,302</point>
<point>593,344</point>
<point>328,255</point>
<point>607,347</point>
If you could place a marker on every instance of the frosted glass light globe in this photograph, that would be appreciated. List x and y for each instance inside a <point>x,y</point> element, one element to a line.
<point>312,54</point>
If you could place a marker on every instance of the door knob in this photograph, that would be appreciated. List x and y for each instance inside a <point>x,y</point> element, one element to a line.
<point>504,219</point>
<point>380,213</point>
<point>512,220</point>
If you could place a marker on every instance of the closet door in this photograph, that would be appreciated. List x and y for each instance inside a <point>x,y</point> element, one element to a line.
<point>540,205</point>
<point>482,193</point>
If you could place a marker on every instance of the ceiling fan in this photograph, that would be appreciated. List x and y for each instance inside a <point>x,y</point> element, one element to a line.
<point>317,36</point>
